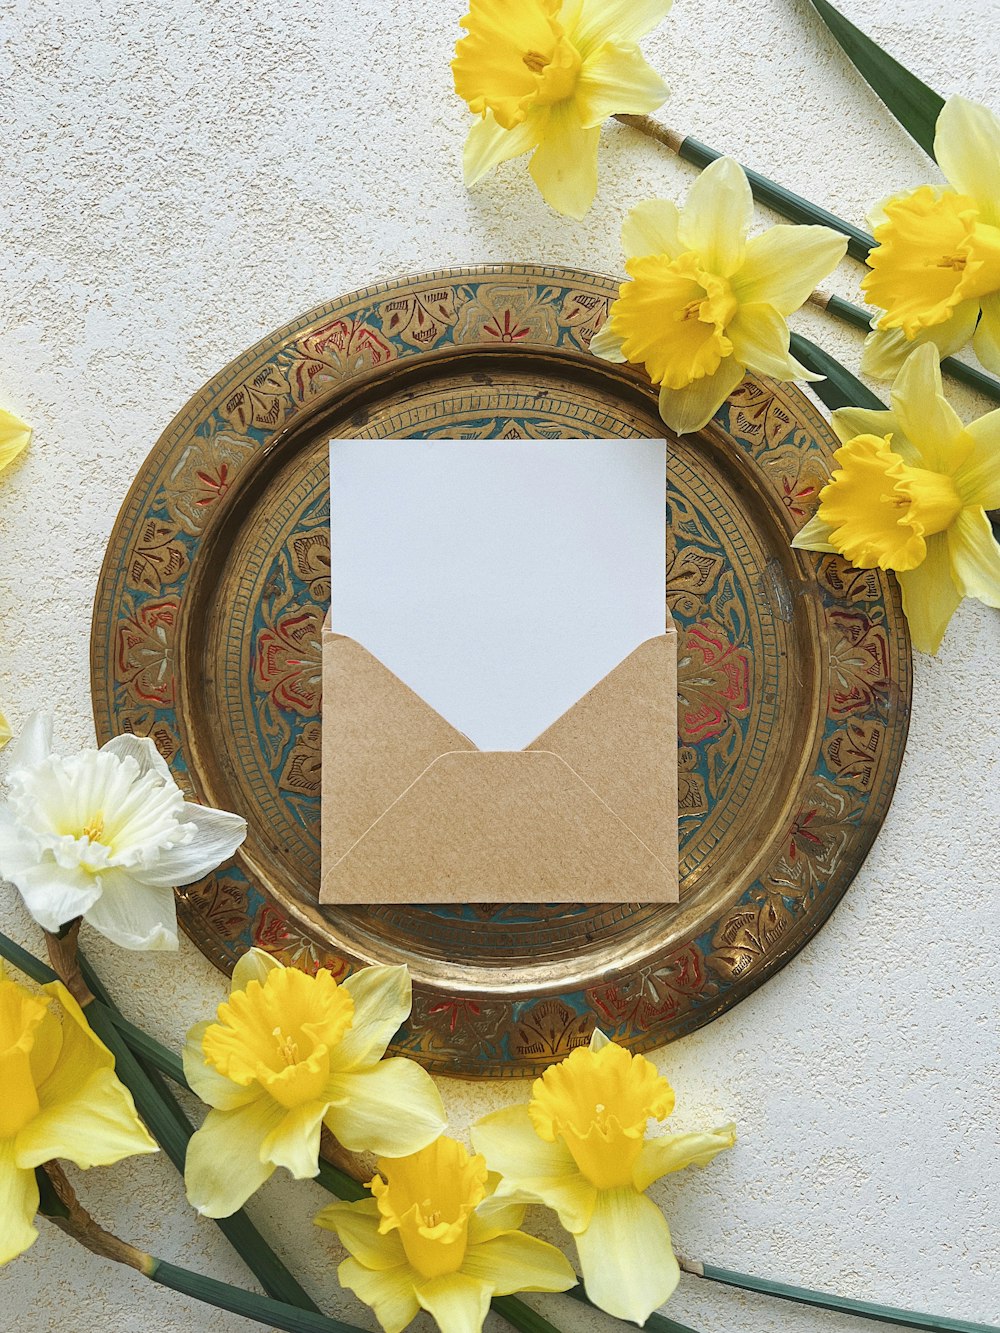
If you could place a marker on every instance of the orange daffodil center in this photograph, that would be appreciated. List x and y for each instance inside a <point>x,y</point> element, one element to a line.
<point>909,493</point>
<point>598,1103</point>
<point>542,76</point>
<point>935,269</point>
<point>435,1237</point>
<point>60,1099</point>
<point>288,1053</point>
<point>705,302</point>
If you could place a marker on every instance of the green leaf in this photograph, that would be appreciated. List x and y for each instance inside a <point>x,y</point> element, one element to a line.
<point>49,1202</point>
<point>821,1300</point>
<point>840,388</point>
<point>914,105</point>
<point>263,1309</point>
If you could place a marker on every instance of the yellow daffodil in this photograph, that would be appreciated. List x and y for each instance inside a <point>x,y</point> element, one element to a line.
<point>706,304</point>
<point>15,435</point>
<point>543,75</point>
<point>60,1098</point>
<point>290,1052</point>
<point>580,1147</point>
<point>436,1238</point>
<point>909,494</point>
<point>936,265</point>
<point>5,731</point>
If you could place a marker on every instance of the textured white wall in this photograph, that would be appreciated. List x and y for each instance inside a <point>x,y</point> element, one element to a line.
<point>177,178</point>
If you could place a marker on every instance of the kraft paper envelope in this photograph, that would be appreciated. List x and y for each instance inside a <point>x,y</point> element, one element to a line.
<point>413,812</point>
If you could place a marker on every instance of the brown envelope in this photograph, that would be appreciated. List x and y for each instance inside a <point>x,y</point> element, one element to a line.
<point>413,812</point>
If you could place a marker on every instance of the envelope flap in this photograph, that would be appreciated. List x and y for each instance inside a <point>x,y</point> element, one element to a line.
<point>621,738</point>
<point>497,826</point>
<point>378,736</point>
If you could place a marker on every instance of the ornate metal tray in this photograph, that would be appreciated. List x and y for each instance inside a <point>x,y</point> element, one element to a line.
<point>794,670</point>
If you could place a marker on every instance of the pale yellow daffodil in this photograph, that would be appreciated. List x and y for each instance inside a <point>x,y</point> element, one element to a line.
<point>909,494</point>
<point>5,731</point>
<point>288,1053</point>
<point>59,1097</point>
<point>543,76</point>
<point>580,1146</point>
<point>436,1238</point>
<point>936,265</point>
<point>15,436</point>
<point>705,303</point>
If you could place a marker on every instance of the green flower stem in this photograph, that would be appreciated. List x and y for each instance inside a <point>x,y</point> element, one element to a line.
<point>164,1116</point>
<point>821,1300</point>
<point>765,191</point>
<point>861,319</point>
<point>263,1309</point>
<point>656,1323</point>
<point>840,388</point>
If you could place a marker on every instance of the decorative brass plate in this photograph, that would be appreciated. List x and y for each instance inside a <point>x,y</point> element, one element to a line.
<point>794,670</point>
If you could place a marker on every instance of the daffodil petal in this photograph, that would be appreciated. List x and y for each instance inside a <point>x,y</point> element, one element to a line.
<point>382,999</point>
<point>651,228</point>
<point>488,144</point>
<point>458,1303</point>
<point>5,731</point>
<point>392,1109</point>
<point>978,479</point>
<point>533,1170</point>
<point>516,1262</point>
<point>598,1040</point>
<point>255,965</point>
<point>94,1127</point>
<point>849,422</point>
<point>494,1217</point>
<point>986,339</point>
<point>690,408</point>
<point>673,1152</point>
<point>224,1166</point>
<point>564,165</point>
<point>133,914</point>
<point>217,836</point>
<point>356,1226</point>
<point>34,743</point>
<point>782,266</point>
<point>15,436</point>
<point>716,215</point>
<point>975,556</point>
<point>626,20</point>
<point>54,894</point>
<point>814,536</point>
<point>294,1141</point>
<point>930,595</point>
<point>628,1264</point>
<point>760,341</point>
<point>18,1205</point>
<point>389,1292</point>
<point>924,415</point>
<point>885,350</point>
<point>206,1082</point>
<point>143,751</point>
<point>967,149</point>
<point>615,79</point>
<point>607,345</point>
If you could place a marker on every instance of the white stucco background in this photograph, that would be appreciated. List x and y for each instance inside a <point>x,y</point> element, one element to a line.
<point>177,178</point>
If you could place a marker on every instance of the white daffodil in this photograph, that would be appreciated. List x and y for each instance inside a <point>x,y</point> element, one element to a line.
<point>107,835</point>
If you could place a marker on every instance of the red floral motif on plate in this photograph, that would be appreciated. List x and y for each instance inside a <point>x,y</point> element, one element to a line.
<point>144,652</point>
<point>713,682</point>
<point>288,663</point>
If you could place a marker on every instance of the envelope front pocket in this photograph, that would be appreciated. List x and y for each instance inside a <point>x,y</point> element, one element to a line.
<point>413,812</point>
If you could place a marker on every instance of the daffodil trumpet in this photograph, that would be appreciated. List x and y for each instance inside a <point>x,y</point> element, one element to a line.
<point>580,1147</point>
<point>436,1237</point>
<point>910,493</point>
<point>288,1053</point>
<point>542,76</point>
<point>704,302</point>
<point>935,269</point>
